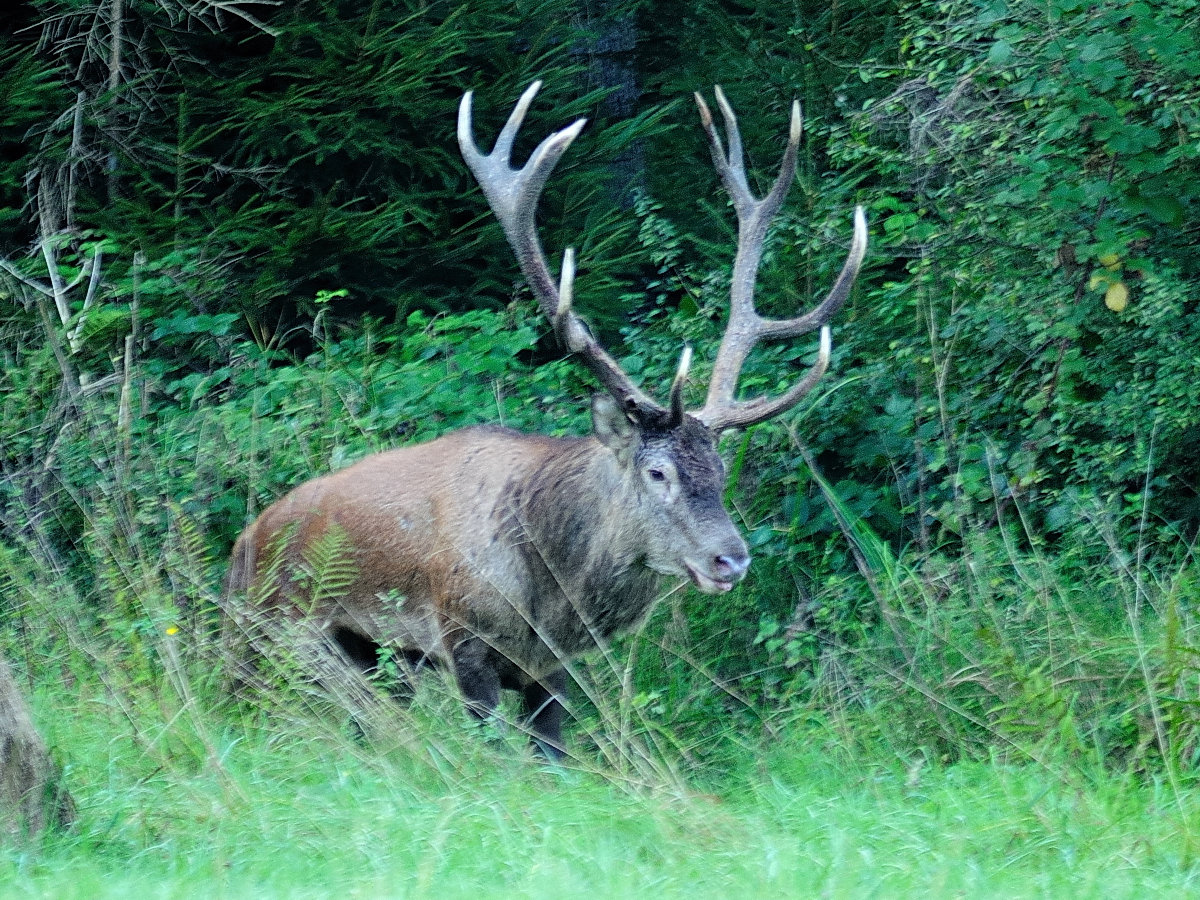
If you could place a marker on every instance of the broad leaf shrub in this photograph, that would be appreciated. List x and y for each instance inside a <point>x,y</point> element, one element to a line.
<point>1034,172</point>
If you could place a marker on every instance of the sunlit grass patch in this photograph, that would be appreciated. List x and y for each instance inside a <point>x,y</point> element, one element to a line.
<point>287,811</point>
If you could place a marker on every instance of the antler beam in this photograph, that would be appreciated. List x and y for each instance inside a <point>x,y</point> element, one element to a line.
<point>746,327</point>
<point>513,196</point>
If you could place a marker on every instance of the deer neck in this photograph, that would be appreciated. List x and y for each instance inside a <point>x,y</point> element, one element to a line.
<point>577,515</point>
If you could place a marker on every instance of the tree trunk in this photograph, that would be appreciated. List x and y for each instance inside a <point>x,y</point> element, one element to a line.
<point>31,796</point>
<point>609,52</point>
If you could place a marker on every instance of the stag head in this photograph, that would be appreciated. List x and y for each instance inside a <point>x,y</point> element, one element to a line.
<point>669,452</point>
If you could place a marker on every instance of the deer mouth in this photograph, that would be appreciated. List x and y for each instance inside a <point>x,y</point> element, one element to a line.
<point>707,585</point>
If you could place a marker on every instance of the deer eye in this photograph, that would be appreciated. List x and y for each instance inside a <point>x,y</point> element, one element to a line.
<point>656,475</point>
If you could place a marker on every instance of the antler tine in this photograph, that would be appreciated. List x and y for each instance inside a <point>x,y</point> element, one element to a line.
<point>746,327</point>
<point>775,329</point>
<point>574,335</point>
<point>676,401</point>
<point>729,166</point>
<point>742,413</point>
<point>754,217</point>
<point>513,195</point>
<point>508,134</point>
<point>564,315</point>
<point>726,412</point>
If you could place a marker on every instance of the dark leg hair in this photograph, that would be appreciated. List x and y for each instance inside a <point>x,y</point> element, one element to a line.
<point>544,713</point>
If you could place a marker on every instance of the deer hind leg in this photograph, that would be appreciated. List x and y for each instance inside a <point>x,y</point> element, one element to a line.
<point>401,666</point>
<point>544,713</point>
<point>477,676</point>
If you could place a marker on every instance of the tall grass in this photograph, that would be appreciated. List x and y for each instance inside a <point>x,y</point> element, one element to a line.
<point>1086,648</point>
<point>237,803</point>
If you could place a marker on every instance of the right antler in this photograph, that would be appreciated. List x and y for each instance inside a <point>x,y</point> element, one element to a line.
<point>746,327</point>
<point>513,196</point>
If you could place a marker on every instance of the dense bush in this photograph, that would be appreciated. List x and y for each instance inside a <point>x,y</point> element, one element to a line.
<point>298,148</point>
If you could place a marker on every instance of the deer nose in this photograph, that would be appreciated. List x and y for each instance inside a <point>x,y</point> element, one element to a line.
<point>731,566</point>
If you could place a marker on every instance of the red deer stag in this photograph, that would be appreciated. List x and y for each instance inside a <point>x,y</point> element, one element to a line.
<point>502,555</point>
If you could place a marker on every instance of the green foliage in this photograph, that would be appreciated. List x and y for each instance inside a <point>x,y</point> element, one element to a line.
<point>974,543</point>
<point>1029,156</point>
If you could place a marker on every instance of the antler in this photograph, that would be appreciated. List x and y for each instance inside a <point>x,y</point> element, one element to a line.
<point>746,327</point>
<point>513,196</point>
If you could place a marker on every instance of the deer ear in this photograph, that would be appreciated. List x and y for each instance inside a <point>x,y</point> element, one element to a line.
<point>613,427</point>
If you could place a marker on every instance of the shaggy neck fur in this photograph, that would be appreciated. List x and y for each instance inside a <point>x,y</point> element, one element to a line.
<point>572,527</point>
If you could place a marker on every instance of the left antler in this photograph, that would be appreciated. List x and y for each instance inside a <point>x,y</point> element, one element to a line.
<point>746,327</point>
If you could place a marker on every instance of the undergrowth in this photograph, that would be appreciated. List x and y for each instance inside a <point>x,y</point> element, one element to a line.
<point>1011,714</point>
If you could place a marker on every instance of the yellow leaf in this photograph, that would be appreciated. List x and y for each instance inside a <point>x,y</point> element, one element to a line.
<point>1116,297</point>
<point>1110,261</point>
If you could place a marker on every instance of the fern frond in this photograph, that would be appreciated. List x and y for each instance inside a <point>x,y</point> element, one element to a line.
<point>191,560</point>
<point>329,566</point>
<point>268,575</point>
